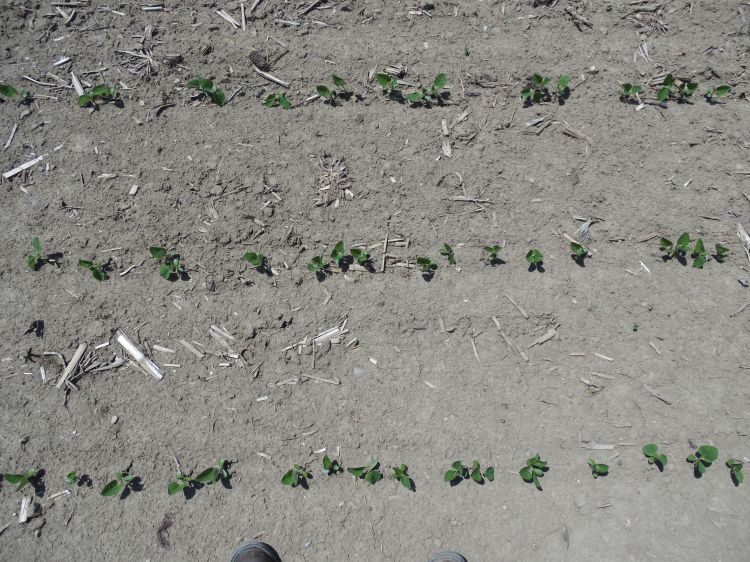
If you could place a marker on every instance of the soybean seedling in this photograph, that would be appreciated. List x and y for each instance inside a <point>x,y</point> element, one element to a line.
<point>362,256</point>
<point>388,83</point>
<point>401,474</point>
<point>735,468</point>
<point>339,90</point>
<point>258,261</point>
<point>597,469</point>
<point>718,92</point>
<point>171,267</point>
<point>8,91</point>
<point>338,253</point>
<point>97,94</point>
<point>651,451</point>
<point>211,475</point>
<point>317,265</point>
<point>537,89</point>
<point>687,89</point>
<point>677,250</point>
<point>703,458</point>
<point>296,476</point>
<point>369,473</point>
<point>535,259</point>
<point>20,481</point>
<point>71,478</point>
<point>209,90</point>
<point>331,466</point>
<point>279,99</point>
<point>563,87</point>
<point>36,258</point>
<point>721,253</point>
<point>95,268</point>
<point>118,485</point>
<point>578,252</point>
<point>533,471</point>
<point>630,91</point>
<point>458,472</point>
<point>699,254</point>
<point>666,89</point>
<point>430,94</point>
<point>447,251</point>
<point>427,267</point>
<point>492,252</point>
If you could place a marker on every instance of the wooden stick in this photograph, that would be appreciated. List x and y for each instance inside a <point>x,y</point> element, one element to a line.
<point>141,360</point>
<point>509,342</point>
<point>72,365</point>
<point>271,77</point>
<point>22,167</point>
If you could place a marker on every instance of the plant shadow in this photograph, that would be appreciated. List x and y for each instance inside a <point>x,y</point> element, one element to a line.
<point>537,267</point>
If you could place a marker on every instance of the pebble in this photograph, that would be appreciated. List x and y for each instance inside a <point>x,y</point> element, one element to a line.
<point>113,420</point>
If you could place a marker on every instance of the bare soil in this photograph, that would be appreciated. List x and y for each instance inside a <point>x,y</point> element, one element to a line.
<point>214,183</point>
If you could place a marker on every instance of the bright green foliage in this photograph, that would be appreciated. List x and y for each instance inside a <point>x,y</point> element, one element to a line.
<point>71,478</point>
<point>699,254</point>
<point>597,469</point>
<point>578,251</point>
<point>430,94</point>
<point>447,251</point>
<point>340,89</point>
<point>100,92</point>
<point>537,90</point>
<point>95,268</point>
<point>721,253</point>
<point>36,258</point>
<point>209,476</point>
<point>675,250</point>
<point>492,252</point>
<point>426,265</point>
<point>296,476</point>
<point>362,256</point>
<point>180,483</point>
<point>369,473</point>
<point>388,83</point>
<point>735,467</point>
<point>317,264</point>
<point>563,84</point>
<point>534,257</point>
<point>279,99</point>
<point>630,90</point>
<point>331,466</point>
<point>171,266</point>
<point>401,474</point>
<point>688,89</point>
<point>338,253</point>
<point>654,456</point>
<point>718,92</point>
<point>533,471</point>
<point>8,91</point>
<point>116,486</point>
<point>20,481</point>
<point>258,261</point>
<point>458,472</point>
<point>666,89</point>
<point>703,458</point>
<point>208,88</point>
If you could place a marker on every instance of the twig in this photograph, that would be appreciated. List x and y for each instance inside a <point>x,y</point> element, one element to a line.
<point>72,365</point>
<point>509,342</point>
<point>22,167</point>
<point>514,303</point>
<point>271,77</point>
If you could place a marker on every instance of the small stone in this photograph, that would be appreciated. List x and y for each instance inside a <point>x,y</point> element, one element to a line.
<point>113,420</point>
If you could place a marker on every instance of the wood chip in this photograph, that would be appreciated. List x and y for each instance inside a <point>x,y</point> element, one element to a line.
<point>71,366</point>
<point>22,167</point>
<point>192,350</point>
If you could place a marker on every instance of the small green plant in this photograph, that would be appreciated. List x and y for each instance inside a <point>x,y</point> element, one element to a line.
<point>735,468</point>
<point>687,89</point>
<point>317,265</point>
<point>651,451</point>
<point>171,267</point>
<point>717,92</point>
<point>116,486</point>
<point>430,94</point>
<point>338,253</point>
<point>535,258</point>
<point>667,87</point>
<point>578,251</point>
<point>598,469</point>
<point>20,481</point>
<point>8,91</point>
<point>702,459</point>
<point>492,252</point>
<point>401,474</point>
<point>209,476</point>
<point>279,99</point>
<point>563,85</point>
<point>721,253</point>
<point>678,250</point>
<point>95,268</point>
<point>331,466</point>
<point>630,91</point>
<point>388,83</point>
<point>209,90</point>
<point>533,471</point>
<point>458,472</point>
<point>370,473</point>
<point>339,90</point>
<point>71,478</point>
<point>36,258</point>
<point>447,251</point>
<point>98,93</point>
<point>699,254</point>
<point>426,266</point>
<point>537,90</point>
<point>258,261</point>
<point>361,256</point>
<point>296,476</point>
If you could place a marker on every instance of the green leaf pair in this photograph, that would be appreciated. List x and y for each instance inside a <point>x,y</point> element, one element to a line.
<point>534,257</point>
<point>72,478</point>
<point>171,267</point>
<point>274,100</point>
<point>317,264</point>
<point>533,471</point>
<point>20,481</point>
<point>340,89</point>
<point>296,476</point>
<point>538,88</point>
<point>8,91</point>
<point>703,458</point>
<point>369,473</point>
<point>36,258</point>
<point>429,94</point>
<point>100,92</point>
<point>331,466</point>
<point>718,92</point>
<point>362,257</point>
<point>426,266</point>
<point>735,467</point>
<point>116,486</point>
<point>598,469</point>
<point>209,90</point>
<point>651,451</point>
<point>95,268</point>
<point>447,251</point>
<point>578,251</point>
<point>630,90</point>
<point>458,472</point>
<point>209,476</point>
<point>401,474</point>
<point>492,252</point>
<point>387,82</point>
<point>258,261</point>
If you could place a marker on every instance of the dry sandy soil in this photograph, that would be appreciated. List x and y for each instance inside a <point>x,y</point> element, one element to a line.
<point>430,378</point>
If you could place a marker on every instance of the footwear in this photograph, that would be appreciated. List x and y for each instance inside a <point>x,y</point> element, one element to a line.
<point>448,556</point>
<point>256,551</point>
